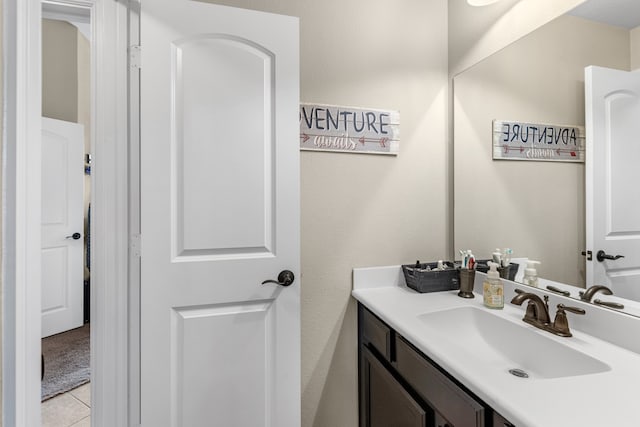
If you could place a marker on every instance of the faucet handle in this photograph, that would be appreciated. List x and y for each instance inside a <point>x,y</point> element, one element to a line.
<point>574,310</point>
<point>560,323</point>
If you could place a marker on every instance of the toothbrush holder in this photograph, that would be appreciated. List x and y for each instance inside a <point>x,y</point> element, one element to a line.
<point>467,277</point>
<point>505,272</point>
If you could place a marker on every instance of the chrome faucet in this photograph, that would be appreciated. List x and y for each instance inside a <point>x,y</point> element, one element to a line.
<point>537,313</point>
<point>590,292</point>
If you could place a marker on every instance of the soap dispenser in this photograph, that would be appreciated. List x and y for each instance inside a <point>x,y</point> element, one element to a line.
<point>530,273</point>
<point>493,289</point>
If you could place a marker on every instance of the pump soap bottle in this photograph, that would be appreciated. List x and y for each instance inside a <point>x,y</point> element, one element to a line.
<point>530,274</point>
<point>493,289</point>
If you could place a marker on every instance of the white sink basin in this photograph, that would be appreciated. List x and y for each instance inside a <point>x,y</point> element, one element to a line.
<point>498,343</point>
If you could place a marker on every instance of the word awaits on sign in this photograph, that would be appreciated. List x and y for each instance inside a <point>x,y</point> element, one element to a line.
<point>531,141</point>
<point>332,128</point>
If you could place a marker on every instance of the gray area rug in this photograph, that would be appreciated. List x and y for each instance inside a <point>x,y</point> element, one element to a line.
<point>66,359</point>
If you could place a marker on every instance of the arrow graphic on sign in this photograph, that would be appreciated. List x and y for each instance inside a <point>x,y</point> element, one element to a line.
<point>382,141</point>
<point>559,151</point>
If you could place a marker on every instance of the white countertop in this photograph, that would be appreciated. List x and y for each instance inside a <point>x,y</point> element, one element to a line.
<point>599,400</point>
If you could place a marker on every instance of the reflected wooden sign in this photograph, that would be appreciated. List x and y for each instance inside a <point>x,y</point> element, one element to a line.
<point>538,142</point>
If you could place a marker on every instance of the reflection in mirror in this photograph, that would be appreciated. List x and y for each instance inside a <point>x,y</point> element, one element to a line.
<point>595,294</point>
<point>477,32</point>
<point>612,174</point>
<point>536,208</point>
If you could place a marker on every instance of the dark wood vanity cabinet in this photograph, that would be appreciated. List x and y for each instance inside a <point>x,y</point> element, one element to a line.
<point>401,387</point>
<point>388,402</point>
<point>500,421</point>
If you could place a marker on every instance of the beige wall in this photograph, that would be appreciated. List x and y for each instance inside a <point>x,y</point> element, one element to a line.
<point>477,32</point>
<point>537,208</point>
<point>365,210</point>
<point>59,70</point>
<point>635,48</point>
<point>362,210</point>
<point>65,75</point>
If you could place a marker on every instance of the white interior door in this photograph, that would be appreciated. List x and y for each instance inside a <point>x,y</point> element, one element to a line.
<point>219,215</point>
<point>612,177</point>
<point>62,225</point>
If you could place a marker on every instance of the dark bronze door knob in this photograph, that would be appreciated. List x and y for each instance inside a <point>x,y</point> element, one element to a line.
<point>602,255</point>
<point>285,278</point>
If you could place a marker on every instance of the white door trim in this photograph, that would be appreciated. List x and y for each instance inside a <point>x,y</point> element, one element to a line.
<point>110,309</point>
<point>21,212</point>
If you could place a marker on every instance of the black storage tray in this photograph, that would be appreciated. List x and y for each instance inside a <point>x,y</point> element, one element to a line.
<point>483,267</point>
<point>422,280</point>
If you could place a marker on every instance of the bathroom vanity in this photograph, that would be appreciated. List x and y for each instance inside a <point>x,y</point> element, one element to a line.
<point>436,359</point>
<point>400,385</point>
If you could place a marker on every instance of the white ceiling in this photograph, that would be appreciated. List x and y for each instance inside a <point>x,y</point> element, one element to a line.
<point>621,13</point>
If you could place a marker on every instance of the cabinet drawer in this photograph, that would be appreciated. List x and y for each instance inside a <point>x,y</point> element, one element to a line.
<point>453,403</point>
<point>376,333</point>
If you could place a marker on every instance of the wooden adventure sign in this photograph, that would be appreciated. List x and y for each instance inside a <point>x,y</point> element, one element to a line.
<point>349,129</point>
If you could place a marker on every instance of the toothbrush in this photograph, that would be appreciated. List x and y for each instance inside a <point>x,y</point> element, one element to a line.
<point>506,258</point>
<point>465,260</point>
<point>463,256</point>
<point>471,264</point>
<point>497,256</point>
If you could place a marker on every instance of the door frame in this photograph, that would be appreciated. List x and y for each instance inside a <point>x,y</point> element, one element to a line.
<point>588,174</point>
<point>113,377</point>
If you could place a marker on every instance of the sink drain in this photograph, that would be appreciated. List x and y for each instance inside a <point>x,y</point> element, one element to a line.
<point>519,373</point>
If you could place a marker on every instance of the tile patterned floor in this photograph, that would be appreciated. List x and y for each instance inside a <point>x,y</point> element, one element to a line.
<point>71,409</point>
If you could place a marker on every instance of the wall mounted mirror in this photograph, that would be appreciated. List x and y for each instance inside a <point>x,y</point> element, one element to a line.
<point>536,208</point>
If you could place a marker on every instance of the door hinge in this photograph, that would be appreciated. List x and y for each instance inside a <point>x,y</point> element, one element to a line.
<point>134,56</point>
<point>135,245</point>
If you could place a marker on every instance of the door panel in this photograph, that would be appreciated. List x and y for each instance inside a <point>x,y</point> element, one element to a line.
<point>622,110</point>
<point>612,173</point>
<point>219,215</point>
<point>55,296</point>
<point>234,365</point>
<point>62,216</point>
<point>223,111</point>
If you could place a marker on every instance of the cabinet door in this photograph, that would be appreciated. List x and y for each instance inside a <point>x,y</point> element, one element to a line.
<point>386,402</point>
<point>500,421</point>
<point>441,422</point>
<point>442,394</point>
